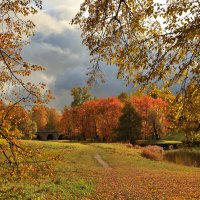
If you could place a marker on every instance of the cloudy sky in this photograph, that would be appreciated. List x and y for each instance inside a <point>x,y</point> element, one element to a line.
<point>57,46</point>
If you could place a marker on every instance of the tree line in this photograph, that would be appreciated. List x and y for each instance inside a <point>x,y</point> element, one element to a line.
<point>122,118</point>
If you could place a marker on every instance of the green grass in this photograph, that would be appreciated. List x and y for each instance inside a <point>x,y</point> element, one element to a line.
<point>78,175</point>
<point>170,139</point>
<point>158,142</point>
<point>175,137</point>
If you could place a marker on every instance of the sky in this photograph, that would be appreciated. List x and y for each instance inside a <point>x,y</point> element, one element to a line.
<point>58,46</point>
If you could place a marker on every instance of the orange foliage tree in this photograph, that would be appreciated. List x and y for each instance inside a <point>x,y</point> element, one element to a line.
<point>66,122</point>
<point>39,115</point>
<point>96,119</point>
<point>53,119</point>
<point>21,121</point>
<point>154,115</point>
<point>109,110</point>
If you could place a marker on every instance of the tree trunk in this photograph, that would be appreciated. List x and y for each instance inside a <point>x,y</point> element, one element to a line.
<point>155,131</point>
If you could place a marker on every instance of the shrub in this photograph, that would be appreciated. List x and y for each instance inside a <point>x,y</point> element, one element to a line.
<point>152,152</point>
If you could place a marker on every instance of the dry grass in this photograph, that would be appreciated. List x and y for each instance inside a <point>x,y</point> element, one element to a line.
<point>152,152</point>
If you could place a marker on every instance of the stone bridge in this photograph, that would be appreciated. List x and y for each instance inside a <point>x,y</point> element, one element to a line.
<point>49,135</point>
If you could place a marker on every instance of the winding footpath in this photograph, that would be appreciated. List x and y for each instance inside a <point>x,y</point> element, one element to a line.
<point>101,161</point>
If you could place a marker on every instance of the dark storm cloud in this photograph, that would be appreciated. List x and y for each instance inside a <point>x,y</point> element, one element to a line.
<point>57,52</point>
<point>67,39</point>
<point>71,78</point>
<point>77,77</point>
<point>58,46</point>
<point>112,86</point>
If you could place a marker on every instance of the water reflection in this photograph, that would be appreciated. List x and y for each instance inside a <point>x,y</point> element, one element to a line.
<point>183,157</point>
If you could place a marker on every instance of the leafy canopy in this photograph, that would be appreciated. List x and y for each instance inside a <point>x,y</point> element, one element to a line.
<point>148,41</point>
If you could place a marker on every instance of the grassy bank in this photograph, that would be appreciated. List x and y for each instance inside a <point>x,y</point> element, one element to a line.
<point>78,175</point>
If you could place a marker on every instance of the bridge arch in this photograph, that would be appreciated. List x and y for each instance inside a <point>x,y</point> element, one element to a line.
<point>50,137</point>
<point>38,137</point>
<point>60,137</point>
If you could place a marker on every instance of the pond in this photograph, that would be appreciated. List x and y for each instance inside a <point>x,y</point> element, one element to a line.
<point>184,157</point>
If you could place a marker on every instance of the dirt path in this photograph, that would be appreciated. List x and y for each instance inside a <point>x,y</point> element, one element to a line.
<point>102,162</point>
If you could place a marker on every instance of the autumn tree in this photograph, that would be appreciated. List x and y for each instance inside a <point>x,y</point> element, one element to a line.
<point>14,84</point>
<point>155,124</point>
<point>95,119</point>
<point>39,116</point>
<point>107,118</point>
<point>87,119</point>
<point>186,115</point>
<point>29,128</point>
<point>152,111</point>
<point>123,96</point>
<point>71,122</point>
<point>150,43</point>
<point>20,121</point>
<point>53,119</point>
<point>20,116</point>
<point>66,122</point>
<point>130,124</point>
<point>80,95</point>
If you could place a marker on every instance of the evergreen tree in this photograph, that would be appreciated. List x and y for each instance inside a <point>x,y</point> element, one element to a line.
<point>130,124</point>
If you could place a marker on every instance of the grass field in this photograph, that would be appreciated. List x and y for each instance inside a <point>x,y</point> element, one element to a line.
<point>78,175</point>
<point>175,137</point>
